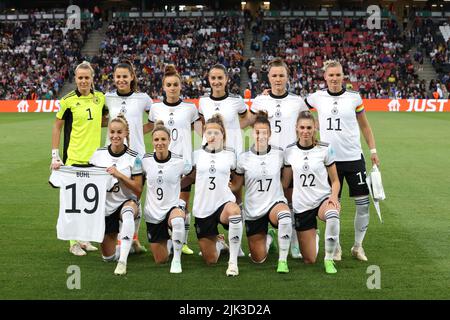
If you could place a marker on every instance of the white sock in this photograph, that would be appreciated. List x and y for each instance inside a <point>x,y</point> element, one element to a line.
<point>187,224</point>
<point>294,239</point>
<point>332,228</point>
<point>137,223</point>
<point>110,258</point>
<point>177,237</point>
<point>284,234</point>
<point>234,236</point>
<point>317,243</point>
<point>169,247</point>
<point>361,219</point>
<point>268,242</point>
<point>127,232</point>
<point>219,248</point>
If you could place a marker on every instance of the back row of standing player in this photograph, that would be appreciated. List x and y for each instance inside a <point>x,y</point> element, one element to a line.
<point>341,114</point>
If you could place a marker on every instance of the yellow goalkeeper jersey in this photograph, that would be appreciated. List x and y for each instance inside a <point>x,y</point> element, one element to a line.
<point>82,117</point>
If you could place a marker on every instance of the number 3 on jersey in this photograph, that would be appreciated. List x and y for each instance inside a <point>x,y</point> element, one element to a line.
<point>212,185</point>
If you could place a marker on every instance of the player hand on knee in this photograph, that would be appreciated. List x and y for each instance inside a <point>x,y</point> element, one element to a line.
<point>334,201</point>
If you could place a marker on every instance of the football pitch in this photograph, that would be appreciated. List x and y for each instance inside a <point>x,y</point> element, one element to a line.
<point>411,249</point>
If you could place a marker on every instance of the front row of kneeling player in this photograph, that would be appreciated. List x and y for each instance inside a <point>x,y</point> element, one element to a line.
<point>266,170</point>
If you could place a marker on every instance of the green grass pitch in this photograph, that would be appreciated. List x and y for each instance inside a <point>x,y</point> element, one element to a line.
<point>411,248</point>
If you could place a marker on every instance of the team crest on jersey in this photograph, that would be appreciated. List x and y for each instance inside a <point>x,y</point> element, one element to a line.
<point>263,168</point>
<point>278,112</point>
<point>305,167</point>
<point>171,122</point>
<point>96,100</point>
<point>212,170</point>
<point>159,180</point>
<point>335,110</point>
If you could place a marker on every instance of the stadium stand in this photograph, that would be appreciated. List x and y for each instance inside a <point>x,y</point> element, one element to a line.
<point>36,58</point>
<point>377,62</point>
<point>192,44</point>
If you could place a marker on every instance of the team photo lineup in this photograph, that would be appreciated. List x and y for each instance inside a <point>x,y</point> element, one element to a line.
<point>290,158</point>
<point>241,142</point>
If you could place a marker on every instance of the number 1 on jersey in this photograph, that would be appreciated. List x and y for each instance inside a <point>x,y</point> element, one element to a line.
<point>90,115</point>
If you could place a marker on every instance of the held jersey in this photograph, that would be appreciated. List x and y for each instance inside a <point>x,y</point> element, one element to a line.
<point>81,202</point>
<point>178,118</point>
<point>262,174</point>
<point>128,163</point>
<point>230,107</point>
<point>133,107</point>
<point>283,112</point>
<point>310,175</point>
<point>338,123</point>
<point>82,117</point>
<point>211,180</point>
<point>163,185</point>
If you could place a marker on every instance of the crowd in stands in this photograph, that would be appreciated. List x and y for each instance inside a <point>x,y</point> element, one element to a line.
<point>376,62</point>
<point>36,58</point>
<point>430,43</point>
<point>193,45</point>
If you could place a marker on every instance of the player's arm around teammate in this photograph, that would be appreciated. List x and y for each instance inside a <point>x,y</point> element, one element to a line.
<point>264,201</point>
<point>214,202</point>
<point>311,164</point>
<point>81,114</point>
<point>163,170</point>
<point>122,202</point>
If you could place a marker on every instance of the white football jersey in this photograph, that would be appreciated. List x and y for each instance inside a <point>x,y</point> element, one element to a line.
<point>128,163</point>
<point>133,107</point>
<point>163,185</point>
<point>338,122</point>
<point>211,180</point>
<point>178,118</point>
<point>229,107</point>
<point>283,112</point>
<point>309,167</point>
<point>81,202</point>
<point>262,174</point>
